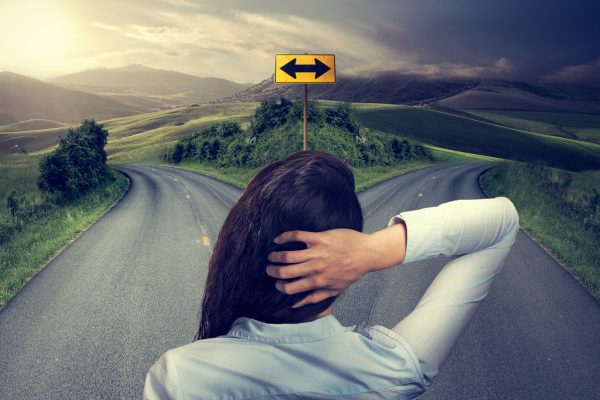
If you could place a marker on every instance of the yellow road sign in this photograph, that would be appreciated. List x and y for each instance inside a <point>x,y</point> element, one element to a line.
<point>305,68</point>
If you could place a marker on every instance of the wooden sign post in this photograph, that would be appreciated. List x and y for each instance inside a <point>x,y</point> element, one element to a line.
<point>305,69</point>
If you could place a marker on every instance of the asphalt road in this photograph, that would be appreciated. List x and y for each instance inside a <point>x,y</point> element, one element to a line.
<point>91,323</point>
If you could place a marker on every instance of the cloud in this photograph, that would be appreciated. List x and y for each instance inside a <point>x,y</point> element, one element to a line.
<point>501,68</point>
<point>582,73</point>
<point>251,39</point>
<point>241,45</point>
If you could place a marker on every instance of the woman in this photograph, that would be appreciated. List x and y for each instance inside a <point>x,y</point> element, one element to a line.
<point>287,249</point>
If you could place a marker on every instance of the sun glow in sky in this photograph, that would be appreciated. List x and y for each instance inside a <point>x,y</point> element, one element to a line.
<point>238,39</point>
<point>35,34</point>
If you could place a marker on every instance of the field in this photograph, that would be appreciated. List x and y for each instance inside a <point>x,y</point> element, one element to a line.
<point>569,125</point>
<point>471,136</point>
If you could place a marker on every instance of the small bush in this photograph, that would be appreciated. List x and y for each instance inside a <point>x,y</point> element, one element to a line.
<point>343,117</point>
<point>271,114</point>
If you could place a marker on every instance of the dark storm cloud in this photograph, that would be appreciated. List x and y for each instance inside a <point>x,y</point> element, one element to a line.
<point>538,37</point>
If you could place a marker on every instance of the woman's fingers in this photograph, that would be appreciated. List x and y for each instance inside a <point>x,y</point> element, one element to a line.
<point>297,236</point>
<point>300,285</point>
<point>315,297</point>
<point>291,256</point>
<point>290,271</point>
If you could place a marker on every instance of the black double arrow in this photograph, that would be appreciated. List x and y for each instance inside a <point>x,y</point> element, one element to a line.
<point>291,68</point>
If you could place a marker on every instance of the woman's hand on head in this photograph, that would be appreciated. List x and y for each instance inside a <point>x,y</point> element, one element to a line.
<point>332,261</point>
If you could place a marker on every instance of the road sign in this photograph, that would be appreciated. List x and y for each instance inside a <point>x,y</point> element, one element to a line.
<point>305,68</point>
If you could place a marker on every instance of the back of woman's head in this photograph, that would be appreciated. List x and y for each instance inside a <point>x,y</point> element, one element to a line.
<point>309,190</point>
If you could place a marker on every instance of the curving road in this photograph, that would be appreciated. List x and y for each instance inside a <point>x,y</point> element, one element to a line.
<point>91,323</point>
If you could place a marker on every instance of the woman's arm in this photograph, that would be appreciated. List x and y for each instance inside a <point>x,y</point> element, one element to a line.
<point>482,229</point>
<point>483,232</point>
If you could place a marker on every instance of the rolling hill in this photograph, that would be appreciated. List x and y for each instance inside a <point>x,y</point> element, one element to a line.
<point>473,136</point>
<point>23,98</point>
<point>149,88</point>
<point>570,125</point>
<point>143,137</point>
<point>30,125</point>
<point>517,96</point>
<point>137,135</point>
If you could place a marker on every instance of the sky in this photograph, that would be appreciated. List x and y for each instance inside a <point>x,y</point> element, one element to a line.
<point>238,40</point>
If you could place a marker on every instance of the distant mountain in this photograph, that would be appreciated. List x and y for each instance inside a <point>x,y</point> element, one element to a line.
<point>384,87</point>
<point>149,88</point>
<point>23,98</point>
<point>397,88</point>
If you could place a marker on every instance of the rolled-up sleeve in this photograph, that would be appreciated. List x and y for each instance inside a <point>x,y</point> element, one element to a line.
<point>481,232</point>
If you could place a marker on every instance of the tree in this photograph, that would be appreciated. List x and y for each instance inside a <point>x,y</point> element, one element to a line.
<point>77,165</point>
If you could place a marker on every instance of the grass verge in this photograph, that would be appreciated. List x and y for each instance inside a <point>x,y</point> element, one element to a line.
<point>560,209</point>
<point>27,251</point>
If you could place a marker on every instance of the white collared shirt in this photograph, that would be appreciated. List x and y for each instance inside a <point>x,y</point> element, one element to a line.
<point>322,359</point>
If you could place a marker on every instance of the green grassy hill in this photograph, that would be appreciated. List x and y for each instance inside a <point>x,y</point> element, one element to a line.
<point>467,135</point>
<point>146,130</point>
<point>569,125</point>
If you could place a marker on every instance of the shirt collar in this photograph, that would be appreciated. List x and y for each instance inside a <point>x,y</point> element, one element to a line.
<point>303,332</point>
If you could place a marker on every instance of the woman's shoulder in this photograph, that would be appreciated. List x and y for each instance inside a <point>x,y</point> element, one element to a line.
<point>204,348</point>
<point>206,366</point>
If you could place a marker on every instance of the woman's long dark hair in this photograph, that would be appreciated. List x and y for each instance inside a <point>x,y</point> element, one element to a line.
<point>309,190</point>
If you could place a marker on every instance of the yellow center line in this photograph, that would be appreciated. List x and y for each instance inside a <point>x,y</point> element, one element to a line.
<point>206,240</point>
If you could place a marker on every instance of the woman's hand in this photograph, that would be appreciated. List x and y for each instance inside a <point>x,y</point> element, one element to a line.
<point>334,259</point>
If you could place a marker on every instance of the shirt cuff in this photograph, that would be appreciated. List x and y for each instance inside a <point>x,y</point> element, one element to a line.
<point>423,233</point>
